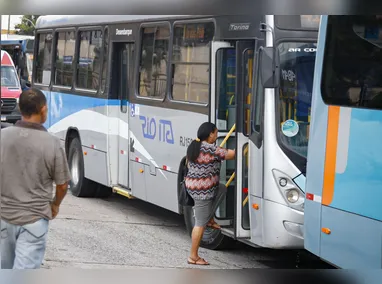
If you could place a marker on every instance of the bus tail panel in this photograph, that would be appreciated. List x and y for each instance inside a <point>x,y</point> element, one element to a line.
<point>353,242</point>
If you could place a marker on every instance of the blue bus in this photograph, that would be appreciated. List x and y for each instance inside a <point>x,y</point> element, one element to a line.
<point>343,210</point>
<point>20,48</point>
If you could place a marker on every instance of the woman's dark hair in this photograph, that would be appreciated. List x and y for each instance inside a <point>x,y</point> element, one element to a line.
<point>204,132</point>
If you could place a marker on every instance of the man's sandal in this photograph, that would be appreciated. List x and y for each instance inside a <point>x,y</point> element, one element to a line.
<point>199,261</point>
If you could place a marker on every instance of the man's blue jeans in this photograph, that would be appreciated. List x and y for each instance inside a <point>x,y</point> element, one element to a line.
<point>23,247</point>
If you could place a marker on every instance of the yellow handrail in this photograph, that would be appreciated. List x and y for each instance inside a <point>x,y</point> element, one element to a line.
<point>228,135</point>
<point>245,200</point>
<point>230,179</point>
<point>245,153</point>
<point>222,144</point>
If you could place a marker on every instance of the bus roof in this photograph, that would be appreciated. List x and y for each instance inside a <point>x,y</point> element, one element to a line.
<point>50,21</point>
<point>14,39</point>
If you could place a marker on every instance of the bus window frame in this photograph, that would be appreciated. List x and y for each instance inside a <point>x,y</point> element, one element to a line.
<point>294,29</point>
<point>257,137</point>
<point>139,45</point>
<point>170,89</point>
<point>216,95</point>
<point>297,159</point>
<point>54,52</point>
<point>35,56</point>
<point>105,89</point>
<point>253,90</point>
<point>96,92</point>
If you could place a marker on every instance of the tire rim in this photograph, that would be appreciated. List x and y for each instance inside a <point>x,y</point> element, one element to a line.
<point>75,169</point>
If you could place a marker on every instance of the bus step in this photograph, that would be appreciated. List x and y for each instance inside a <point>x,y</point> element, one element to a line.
<point>228,232</point>
<point>123,191</point>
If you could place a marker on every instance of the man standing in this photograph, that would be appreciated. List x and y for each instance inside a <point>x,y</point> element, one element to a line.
<point>31,160</point>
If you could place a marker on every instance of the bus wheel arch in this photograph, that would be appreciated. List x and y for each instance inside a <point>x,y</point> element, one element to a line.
<point>180,178</point>
<point>73,148</point>
<point>212,239</point>
<point>71,133</point>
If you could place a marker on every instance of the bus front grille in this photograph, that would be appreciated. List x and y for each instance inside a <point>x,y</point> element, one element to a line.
<point>7,105</point>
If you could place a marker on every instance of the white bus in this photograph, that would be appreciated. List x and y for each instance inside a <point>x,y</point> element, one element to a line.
<point>127,94</point>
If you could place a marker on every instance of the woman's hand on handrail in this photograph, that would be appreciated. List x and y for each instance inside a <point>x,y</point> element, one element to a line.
<point>230,155</point>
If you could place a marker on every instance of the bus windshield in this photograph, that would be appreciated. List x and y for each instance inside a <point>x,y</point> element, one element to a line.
<point>352,62</point>
<point>295,94</point>
<point>29,65</point>
<point>9,77</point>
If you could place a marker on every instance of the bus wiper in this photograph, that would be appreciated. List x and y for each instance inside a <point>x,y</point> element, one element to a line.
<point>362,94</point>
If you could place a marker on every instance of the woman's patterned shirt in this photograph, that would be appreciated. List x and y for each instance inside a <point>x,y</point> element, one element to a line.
<point>203,175</point>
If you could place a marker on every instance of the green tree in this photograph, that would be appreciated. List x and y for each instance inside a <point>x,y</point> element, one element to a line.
<point>26,27</point>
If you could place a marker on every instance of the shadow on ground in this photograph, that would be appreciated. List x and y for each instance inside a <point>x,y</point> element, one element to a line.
<point>276,259</point>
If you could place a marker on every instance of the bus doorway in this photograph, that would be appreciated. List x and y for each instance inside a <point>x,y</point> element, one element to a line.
<point>121,85</point>
<point>232,76</point>
<point>231,112</point>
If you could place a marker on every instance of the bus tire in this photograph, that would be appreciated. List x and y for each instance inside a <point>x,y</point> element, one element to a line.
<point>79,185</point>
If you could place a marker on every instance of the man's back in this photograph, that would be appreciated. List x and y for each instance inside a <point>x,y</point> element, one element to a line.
<point>31,160</point>
<point>29,157</point>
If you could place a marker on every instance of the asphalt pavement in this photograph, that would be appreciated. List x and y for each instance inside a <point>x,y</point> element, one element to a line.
<point>122,233</point>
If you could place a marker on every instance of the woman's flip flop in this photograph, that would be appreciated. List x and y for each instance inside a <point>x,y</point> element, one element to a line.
<point>199,261</point>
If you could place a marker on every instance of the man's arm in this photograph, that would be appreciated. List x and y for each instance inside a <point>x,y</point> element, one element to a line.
<point>61,175</point>
<point>61,191</point>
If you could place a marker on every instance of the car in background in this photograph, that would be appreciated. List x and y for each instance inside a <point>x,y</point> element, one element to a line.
<point>10,90</point>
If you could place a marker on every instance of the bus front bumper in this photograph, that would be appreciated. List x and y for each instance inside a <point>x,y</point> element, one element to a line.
<point>11,117</point>
<point>284,226</point>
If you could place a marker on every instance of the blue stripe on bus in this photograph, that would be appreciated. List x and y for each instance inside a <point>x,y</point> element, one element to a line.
<point>359,188</point>
<point>62,105</point>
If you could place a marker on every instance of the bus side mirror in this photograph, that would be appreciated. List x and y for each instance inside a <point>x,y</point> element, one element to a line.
<point>270,62</point>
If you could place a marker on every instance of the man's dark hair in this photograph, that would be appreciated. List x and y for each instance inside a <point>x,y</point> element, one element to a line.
<point>31,102</point>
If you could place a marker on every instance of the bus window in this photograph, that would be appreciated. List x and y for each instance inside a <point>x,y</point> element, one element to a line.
<point>190,59</point>
<point>153,65</point>
<point>63,75</point>
<point>226,86</point>
<point>89,60</point>
<point>248,85</point>
<point>295,94</point>
<point>352,62</point>
<point>44,59</point>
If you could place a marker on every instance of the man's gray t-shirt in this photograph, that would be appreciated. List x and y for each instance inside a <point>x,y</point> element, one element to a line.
<point>31,160</point>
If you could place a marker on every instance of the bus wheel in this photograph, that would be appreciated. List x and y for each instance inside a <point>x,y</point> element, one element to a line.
<point>212,239</point>
<point>79,185</point>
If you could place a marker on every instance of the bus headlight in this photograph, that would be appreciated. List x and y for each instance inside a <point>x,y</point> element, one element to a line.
<point>292,195</point>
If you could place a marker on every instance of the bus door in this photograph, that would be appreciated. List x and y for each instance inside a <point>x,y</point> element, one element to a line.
<point>254,169</point>
<point>231,79</point>
<point>121,82</point>
<point>244,97</point>
<point>222,110</point>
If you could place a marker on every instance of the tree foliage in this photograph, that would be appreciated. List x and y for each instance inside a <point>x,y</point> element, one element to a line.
<point>26,27</point>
